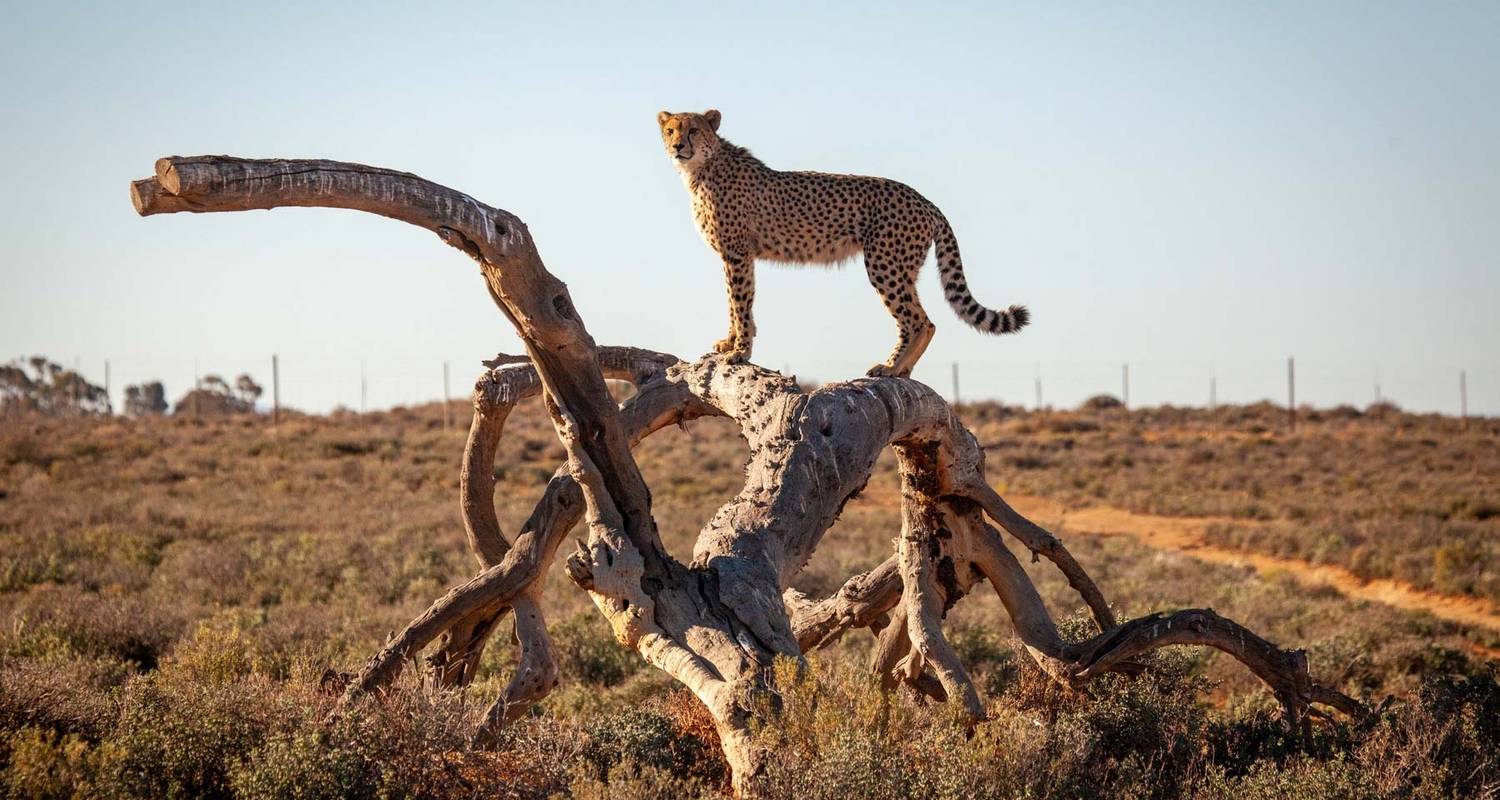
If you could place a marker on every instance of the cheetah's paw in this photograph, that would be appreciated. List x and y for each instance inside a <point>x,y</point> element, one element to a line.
<point>730,351</point>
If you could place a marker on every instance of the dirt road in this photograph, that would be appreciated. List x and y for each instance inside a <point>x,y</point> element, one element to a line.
<point>1186,535</point>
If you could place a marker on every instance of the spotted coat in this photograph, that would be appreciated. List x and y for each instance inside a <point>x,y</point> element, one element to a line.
<point>747,211</point>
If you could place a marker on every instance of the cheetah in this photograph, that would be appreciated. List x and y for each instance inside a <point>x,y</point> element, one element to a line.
<point>747,211</point>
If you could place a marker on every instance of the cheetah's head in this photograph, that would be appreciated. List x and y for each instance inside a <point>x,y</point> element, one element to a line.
<point>691,139</point>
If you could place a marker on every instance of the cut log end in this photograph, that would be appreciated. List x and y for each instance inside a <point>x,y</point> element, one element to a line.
<point>162,194</point>
<point>166,174</point>
<point>150,197</point>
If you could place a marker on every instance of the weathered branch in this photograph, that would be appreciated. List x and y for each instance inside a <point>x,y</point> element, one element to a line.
<point>534,300</point>
<point>931,585</point>
<point>1042,543</point>
<point>657,405</point>
<point>495,395</point>
<point>862,602</point>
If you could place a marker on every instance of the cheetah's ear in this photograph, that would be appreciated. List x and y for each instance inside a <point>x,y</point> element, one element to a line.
<point>662,117</point>
<point>713,116</point>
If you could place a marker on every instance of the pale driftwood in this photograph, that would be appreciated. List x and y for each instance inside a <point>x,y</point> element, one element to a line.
<point>718,621</point>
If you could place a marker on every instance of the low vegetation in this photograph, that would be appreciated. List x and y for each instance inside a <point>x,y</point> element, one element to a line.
<point>1382,493</point>
<point>175,590</point>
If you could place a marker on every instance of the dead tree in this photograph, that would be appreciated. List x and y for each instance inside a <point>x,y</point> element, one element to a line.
<point>717,621</point>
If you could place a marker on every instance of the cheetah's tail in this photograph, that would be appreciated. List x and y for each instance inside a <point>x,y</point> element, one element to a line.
<point>956,289</point>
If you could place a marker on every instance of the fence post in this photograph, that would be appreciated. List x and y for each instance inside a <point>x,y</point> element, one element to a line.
<point>1213,400</point>
<point>1291,393</point>
<point>446,412</point>
<point>275,391</point>
<point>955,383</point>
<point>109,405</point>
<point>1038,387</point>
<point>1463,398</point>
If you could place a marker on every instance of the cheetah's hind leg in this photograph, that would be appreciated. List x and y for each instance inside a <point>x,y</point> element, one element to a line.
<point>892,270</point>
<point>906,354</point>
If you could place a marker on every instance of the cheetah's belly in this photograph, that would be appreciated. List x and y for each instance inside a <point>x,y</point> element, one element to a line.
<point>807,235</point>
<point>775,246</point>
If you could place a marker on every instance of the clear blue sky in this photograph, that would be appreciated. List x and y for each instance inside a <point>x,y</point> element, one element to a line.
<point>1188,187</point>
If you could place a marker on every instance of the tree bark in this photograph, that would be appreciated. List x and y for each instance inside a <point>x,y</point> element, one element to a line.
<point>716,622</point>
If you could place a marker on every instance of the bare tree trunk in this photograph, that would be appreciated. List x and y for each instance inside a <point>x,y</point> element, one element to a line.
<point>717,622</point>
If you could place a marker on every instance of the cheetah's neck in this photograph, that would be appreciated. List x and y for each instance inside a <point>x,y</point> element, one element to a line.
<point>730,159</point>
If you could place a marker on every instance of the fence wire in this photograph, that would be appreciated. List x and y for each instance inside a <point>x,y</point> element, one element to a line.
<point>321,383</point>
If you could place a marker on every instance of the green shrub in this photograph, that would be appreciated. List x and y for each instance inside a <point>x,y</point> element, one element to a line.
<point>179,737</point>
<point>45,766</point>
<point>1301,778</point>
<point>645,739</point>
<point>587,651</point>
<point>303,765</point>
<point>636,782</point>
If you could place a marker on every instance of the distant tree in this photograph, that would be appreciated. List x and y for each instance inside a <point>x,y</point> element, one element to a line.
<point>146,400</point>
<point>1101,402</point>
<point>215,397</point>
<point>248,390</point>
<point>41,386</point>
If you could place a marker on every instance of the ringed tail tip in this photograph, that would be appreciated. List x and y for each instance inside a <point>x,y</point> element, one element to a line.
<point>1008,321</point>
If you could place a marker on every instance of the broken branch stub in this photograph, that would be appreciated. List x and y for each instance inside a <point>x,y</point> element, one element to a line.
<point>716,622</point>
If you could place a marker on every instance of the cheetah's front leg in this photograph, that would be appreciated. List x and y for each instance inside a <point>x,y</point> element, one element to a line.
<point>739,281</point>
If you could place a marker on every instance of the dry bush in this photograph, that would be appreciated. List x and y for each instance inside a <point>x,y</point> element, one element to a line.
<point>171,591</point>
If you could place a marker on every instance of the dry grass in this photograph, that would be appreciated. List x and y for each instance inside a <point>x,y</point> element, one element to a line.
<point>1410,497</point>
<point>171,590</point>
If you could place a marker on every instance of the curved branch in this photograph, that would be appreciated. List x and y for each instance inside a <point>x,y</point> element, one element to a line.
<point>1040,542</point>
<point>924,614</point>
<point>533,299</point>
<point>657,405</point>
<point>1285,671</point>
<point>224,183</point>
<point>495,395</point>
<point>536,670</point>
<point>862,601</point>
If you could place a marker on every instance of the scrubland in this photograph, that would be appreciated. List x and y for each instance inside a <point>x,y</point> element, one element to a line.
<point>175,592</point>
